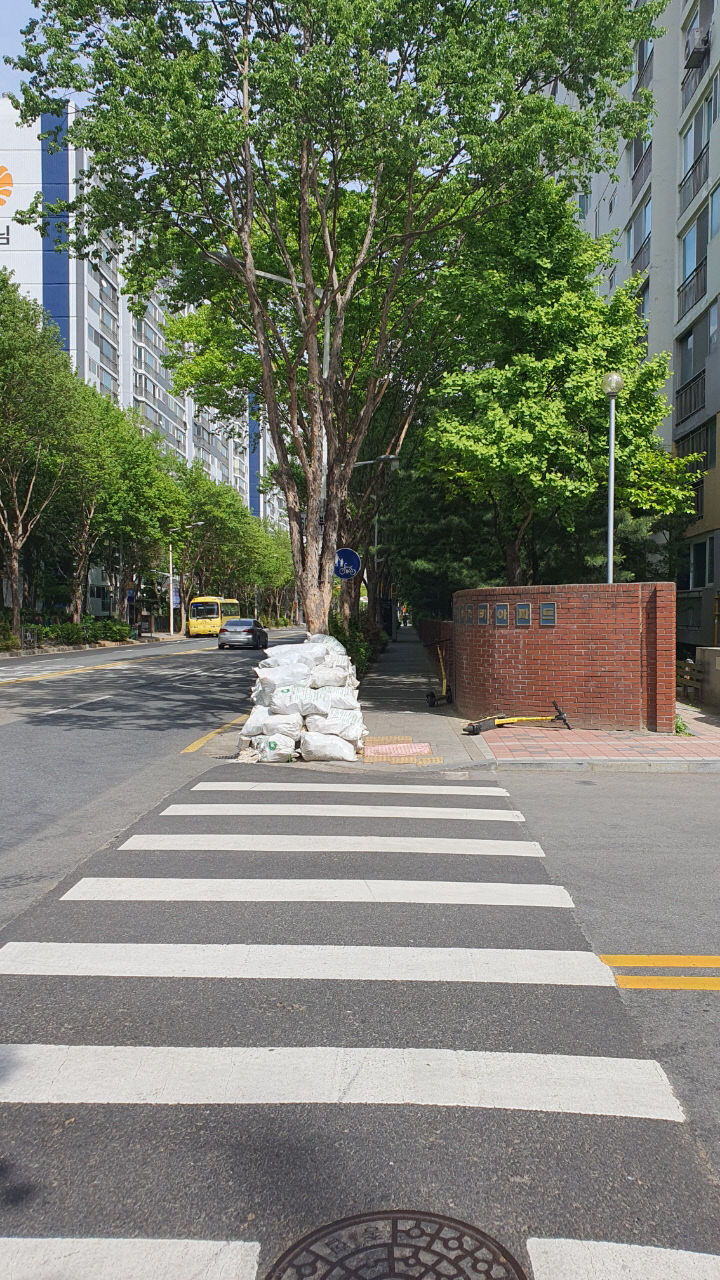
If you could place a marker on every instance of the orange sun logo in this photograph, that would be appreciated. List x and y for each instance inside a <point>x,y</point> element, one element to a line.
<point>6,185</point>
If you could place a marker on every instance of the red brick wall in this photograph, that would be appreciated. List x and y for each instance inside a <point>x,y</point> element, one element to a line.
<point>609,660</point>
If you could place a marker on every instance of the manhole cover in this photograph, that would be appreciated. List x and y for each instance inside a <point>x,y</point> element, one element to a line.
<point>396,1246</point>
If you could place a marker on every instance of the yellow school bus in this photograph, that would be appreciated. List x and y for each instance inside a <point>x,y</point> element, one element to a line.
<point>207,614</point>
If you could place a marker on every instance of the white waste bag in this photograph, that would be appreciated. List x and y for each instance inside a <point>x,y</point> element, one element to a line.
<point>292,653</point>
<point>255,723</point>
<point>343,724</point>
<point>280,677</point>
<point>260,696</point>
<point>325,746</point>
<point>342,699</point>
<point>324,676</point>
<point>312,702</point>
<point>274,750</point>
<point>329,641</point>
<point>289,726</point>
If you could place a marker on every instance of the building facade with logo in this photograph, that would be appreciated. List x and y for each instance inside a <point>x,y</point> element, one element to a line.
<point>112,349</point>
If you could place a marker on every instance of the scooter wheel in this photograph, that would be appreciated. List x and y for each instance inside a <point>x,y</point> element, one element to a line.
<point>430,699</point>
<point>448,696</point>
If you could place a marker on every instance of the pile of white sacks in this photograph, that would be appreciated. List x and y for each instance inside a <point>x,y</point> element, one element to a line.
<point>306,695</point>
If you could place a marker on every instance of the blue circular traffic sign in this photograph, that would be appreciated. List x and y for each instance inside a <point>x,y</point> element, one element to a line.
<point>347,563</point>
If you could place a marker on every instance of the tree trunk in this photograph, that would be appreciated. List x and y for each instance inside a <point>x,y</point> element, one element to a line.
<point>13,563</point>
<point>513,571</point>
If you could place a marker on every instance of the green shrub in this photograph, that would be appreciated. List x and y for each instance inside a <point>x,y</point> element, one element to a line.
<point>8,640</point>
<point>363,639</point>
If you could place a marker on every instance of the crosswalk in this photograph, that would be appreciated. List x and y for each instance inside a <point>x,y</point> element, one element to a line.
<point>287,998</point>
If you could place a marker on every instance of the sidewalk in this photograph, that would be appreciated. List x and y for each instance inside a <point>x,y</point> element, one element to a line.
<point>404,731</point>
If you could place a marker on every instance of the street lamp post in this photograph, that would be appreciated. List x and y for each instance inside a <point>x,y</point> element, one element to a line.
<point>171,593</point>
<point>612,385</point>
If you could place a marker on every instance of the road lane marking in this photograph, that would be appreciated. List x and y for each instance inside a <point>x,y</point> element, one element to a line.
<point>98,666</point>
<point>249,962</point>
<point>430,892</point>
<point>678,982</point>
<point>427,813</point>
<point>115,1258</point>
<point>206,1076</point>
<point>73,706</point>
<point>200,742</point>
<point>351,788</point>
<point>206,842</point>
<point>597,1260</point>
<point>662,962</point>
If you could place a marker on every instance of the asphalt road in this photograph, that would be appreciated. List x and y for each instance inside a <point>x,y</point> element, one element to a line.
<point>88,741</point>
<point>641,857</point>
<point>212,1039</point>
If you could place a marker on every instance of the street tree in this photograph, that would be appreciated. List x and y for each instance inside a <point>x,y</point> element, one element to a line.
<point>87,506</point>
<point>39,397</point>
<point>342,148</point>
<point>520,425</point>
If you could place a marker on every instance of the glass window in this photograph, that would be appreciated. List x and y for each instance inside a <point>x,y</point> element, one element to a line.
<point>710,561</point>
<point>628,240</point>
<point>647,210</point>
<point>715,212</point>
<point>687,149</point>
<point>698,564</point>
<point>203,609</point>
<point>689,252</point>
<point>713,325</point>
<point>686,358</point>
<point>715,95</point>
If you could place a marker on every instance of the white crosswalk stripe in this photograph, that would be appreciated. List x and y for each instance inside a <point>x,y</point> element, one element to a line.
<point>593,1260</point>
<point>385,813</point>
<point>489,893</point>
<point>545,1066</point>
<point>351,788</point>
<point>113,1258</point>
<point>284,843</point>
<point>178,1075</point>
<point>308,963</point>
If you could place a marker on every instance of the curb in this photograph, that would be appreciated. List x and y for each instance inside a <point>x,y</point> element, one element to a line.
<point>671,764</point>
<point>48,650</point>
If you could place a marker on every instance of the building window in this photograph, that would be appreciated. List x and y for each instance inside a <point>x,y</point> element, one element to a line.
<point>628,241</point>
<point>689,252</point>
<point>715,212</point>
<point>713,325</point>
<point>702,563</point>
<point>611,281</point>
<point>611,205</point>
<point>715,95</point>
<point>583,205</point>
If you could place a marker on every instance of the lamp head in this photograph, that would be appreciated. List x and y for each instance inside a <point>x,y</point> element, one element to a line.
<point>612,384</point>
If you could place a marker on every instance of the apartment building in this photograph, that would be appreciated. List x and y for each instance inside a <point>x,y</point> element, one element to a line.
<point>665,214</point>
<point>120,353</point>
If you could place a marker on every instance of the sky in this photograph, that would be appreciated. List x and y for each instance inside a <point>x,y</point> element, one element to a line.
<point>14,14</point>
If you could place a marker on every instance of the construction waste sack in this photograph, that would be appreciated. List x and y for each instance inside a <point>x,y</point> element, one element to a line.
<point>342,724</point>
<point>325,746</point>
<point>275,750</point>
<point>307,694</point>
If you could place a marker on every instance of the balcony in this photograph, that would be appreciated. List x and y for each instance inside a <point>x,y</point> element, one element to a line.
<point>641,172</point>
<point>692,289</point>
<point>692,79</point>
<point>694,180</point>
<point>645,75</point>
<point>641,260</point>
<point>690,397</point>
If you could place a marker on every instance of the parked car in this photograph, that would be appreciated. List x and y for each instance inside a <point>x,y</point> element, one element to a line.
<point>242,633</point>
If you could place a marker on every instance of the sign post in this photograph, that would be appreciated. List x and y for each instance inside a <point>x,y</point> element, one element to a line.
<point>347,563</point>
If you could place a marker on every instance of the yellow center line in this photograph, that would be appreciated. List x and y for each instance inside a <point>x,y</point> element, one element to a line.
<point>200,742</point>
<point>677,982</point>
<point>662,962</point>
<point>98,666</point>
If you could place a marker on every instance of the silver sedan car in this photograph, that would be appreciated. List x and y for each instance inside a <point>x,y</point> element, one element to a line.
<point>242,633</point>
